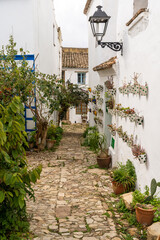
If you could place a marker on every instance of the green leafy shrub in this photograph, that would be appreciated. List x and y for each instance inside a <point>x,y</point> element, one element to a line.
<point>93,139</point>
<point>15,178</point>
<point>89,129</point>
<point>54,133</point>
<point>51,132</point>
<point>125,174</point>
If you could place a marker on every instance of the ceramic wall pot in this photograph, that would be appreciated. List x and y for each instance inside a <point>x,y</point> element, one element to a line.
<point>104,162</point>
<point>144,216</point>
<point>50,143</point>
<point>142,158</point>
<point>132,117</point>
<point>118,188</point>
<point>143,90</point>
<point>139,120</point>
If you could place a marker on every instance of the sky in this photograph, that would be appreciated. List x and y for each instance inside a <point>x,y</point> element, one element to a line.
<point>72,21</point>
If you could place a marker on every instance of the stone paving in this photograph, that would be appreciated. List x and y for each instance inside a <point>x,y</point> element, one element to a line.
<point>71,196</point>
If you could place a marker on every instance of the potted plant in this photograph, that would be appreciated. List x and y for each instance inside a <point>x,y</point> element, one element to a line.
<point>143,91</point>
<point>123,178</point>
<point>32,139</point>
<point>139,153</point>
<point>139,120</point>
<point>120,131</point>
<point>125,137</point>
<point>112,128</point>
<point>51,132</point>
<point>130,141</point>
<point>146,204</point>
<point>103,158</point>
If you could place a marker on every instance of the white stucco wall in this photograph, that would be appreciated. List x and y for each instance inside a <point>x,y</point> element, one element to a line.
<point>71,75</point>
<point>31,24</point>
<point>141,55</point>
<point>98,55</point>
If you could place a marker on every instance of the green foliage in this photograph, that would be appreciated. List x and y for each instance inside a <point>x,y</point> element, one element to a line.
<point>145,198</point>
<point>32,137</point>
<point>54,133</point>
<point>15,178</point>
<point>93,139</point>
<point>18,79</point>
<point>51,132</point>
<point>89,129</point>
<point>126,175</point>
<point>121,207</point>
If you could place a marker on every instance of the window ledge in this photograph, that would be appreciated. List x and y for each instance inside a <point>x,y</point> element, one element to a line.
<point>138,23</point>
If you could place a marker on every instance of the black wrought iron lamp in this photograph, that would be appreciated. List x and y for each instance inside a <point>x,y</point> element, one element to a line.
<point>99,22</point>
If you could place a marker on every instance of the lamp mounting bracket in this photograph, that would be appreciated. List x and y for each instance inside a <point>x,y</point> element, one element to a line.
<point>115,46</point>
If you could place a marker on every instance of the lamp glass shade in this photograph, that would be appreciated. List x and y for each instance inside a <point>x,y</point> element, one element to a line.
<point>99,22</point>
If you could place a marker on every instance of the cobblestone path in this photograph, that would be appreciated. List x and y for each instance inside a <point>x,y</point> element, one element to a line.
<point>71,196</point>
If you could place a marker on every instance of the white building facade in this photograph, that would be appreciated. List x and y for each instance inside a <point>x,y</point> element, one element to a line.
<point>75,70</point>
<point>136,73</point>
<point>33,26</point>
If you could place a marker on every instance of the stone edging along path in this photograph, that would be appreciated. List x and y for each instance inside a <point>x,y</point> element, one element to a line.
<point>72,198</point>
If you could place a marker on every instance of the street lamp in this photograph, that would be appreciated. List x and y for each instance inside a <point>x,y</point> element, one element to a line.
<point>99,22</point>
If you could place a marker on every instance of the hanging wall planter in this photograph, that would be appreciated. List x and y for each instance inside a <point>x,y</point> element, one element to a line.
<point>143,91</point>
<point>133,117</point>
<point>111,92</point>
<point>139,120</point>
<point>100,101</point>
<point>142,158</point>
<point>99,88</point>
<point>89,89</point>
<point>135,89</point>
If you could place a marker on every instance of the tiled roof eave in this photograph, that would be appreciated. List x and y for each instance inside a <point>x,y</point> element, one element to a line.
<point>87,6</point>
<point>106,65</point>
<point>136,15</point>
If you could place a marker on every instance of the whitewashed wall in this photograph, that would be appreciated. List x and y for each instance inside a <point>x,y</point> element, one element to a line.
<point>98,55</point>
<point>71,75</point>
<point>141,55</point>
<point>31,24</point>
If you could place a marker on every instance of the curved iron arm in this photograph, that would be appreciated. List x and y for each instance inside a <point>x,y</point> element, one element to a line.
<point>115,46</point>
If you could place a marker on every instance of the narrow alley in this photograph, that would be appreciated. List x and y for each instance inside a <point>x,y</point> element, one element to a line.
<point>72,196</point>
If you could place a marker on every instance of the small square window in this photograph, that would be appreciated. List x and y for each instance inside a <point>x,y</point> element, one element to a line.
<point>81,78</point>
<point>81,108</point>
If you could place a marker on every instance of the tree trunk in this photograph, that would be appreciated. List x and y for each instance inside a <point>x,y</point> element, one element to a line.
<point>41,134</point>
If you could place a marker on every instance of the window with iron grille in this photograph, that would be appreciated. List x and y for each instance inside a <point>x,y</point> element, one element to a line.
<point>81,78</point>
<point>81,108</point>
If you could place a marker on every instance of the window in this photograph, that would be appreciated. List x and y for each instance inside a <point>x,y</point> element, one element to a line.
<point>81,109</point>
<point>81,78</point>
<point>139,4</point>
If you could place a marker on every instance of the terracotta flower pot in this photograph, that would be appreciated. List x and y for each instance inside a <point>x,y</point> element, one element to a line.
<point>118,188</point>
<point>50,143</point>
<point>104,162</point>
<point>144,216</point>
